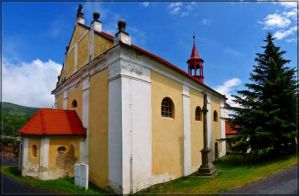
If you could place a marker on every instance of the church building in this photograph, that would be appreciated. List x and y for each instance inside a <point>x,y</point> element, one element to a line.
<point>133,117</point>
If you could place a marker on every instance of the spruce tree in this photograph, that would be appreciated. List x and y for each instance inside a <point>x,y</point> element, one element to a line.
<point>266,113</point>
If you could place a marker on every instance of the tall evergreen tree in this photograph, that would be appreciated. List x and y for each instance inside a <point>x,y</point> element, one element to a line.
<point>266,113</point>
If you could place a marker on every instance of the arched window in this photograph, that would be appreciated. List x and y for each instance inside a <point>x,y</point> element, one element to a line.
<point>34,150</point>
<point>198,113</point>
<point>74,103</point>
<point>167,108</point>
<point>215,116</point>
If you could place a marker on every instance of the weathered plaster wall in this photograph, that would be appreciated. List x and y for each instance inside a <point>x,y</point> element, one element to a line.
<point>79,31</point>
<point>83,54</point>
<point>196,99</point>
<point>75,93</point>
<point>32,166</point>
<point>59,101</point>
<point>61,165</point>
<point>167,133</point>
<point>70,59</point>
<point>98,128</point>
<point>100,45</point>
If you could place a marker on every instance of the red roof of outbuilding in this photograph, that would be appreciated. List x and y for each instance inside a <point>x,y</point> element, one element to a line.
<point>54,122</point>
<point>229,130</point>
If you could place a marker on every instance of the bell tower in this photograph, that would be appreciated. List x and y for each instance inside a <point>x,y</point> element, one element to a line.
<point>195,64</point>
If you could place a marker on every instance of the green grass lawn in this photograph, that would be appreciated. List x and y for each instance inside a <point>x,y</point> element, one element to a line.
<point>58,186</point>
<point>233,171</point>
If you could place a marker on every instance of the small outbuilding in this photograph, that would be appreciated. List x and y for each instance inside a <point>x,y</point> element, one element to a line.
<point>50,144</point>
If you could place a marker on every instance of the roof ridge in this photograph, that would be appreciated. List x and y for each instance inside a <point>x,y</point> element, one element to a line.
<point>43,122</point>
<point>24,128</point>
<point>157,57</point>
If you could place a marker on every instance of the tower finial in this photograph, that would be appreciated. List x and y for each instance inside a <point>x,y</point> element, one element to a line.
<point>79,11</point>
<point>195,63</point>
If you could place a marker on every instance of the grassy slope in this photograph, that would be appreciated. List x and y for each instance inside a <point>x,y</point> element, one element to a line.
<point>14,117</point>
<point>58,186</point>
<point>234,172</point>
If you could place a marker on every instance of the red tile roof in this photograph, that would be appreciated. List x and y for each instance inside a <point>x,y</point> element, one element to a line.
<point>229,130</point>
<point>54,122</point>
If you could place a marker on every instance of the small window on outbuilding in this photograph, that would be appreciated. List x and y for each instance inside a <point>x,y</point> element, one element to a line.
<point>215,116</point>
<point>74,103</point>
<point>167,108</point>
<point>61,149</point>
<point>34,150</point>
<point>198,116</point>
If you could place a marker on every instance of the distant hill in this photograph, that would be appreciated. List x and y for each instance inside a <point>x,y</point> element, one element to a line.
<point>14,117</point>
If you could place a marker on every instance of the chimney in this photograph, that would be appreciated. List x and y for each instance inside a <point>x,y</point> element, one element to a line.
<point>122,35</point>
<point>96,24</point>
<point>80,15</point>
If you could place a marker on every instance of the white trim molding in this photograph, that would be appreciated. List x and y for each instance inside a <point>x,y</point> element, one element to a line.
<point>187,134</point>
<point>24,153</point>
<point>76,57</point>
<point>91,44</point>
<point>130,150</point>
<point>84,143</point>
<point>222,124</point>
<point>65,96</point>
<point>209,120</point>
<point>44,156</point>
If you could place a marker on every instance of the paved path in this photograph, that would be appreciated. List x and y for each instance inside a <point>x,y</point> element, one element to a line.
<point>284,182</point>
<point>9,186</point>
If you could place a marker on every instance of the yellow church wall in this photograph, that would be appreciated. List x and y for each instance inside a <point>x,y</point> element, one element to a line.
<point>79,31</point>
<point>34,160</point>
<point>59,101</point>
<point>98,128</point>
<point>167,133</point>
<point>215,128</point>
<point>63,163</point>
<point>75,93</point>
<point>70,63</point>
<point>196,99</point>
<point>100,45</point>
<point>83,52</point>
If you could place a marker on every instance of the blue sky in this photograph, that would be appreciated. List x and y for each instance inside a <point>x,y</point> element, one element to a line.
<point>228,35</point>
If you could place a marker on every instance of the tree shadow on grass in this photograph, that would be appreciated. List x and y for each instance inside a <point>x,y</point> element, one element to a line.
<point>60,185</point>
<point>231,161</point>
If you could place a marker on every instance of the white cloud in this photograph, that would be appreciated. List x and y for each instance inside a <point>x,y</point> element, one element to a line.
<point>227,87</point>
<point>291,14</point>
<point>284,33</point>
<point>276,21</point>
<point>181,9</point>
<point>145,4</point>
<point>288,4</point>
<point>280,21</point>
<point>292,40</point>
<point>29,83</point>
<point>205,21</point>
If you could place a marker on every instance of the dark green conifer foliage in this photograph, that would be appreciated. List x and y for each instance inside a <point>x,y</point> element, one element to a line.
<point>266,115</point>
